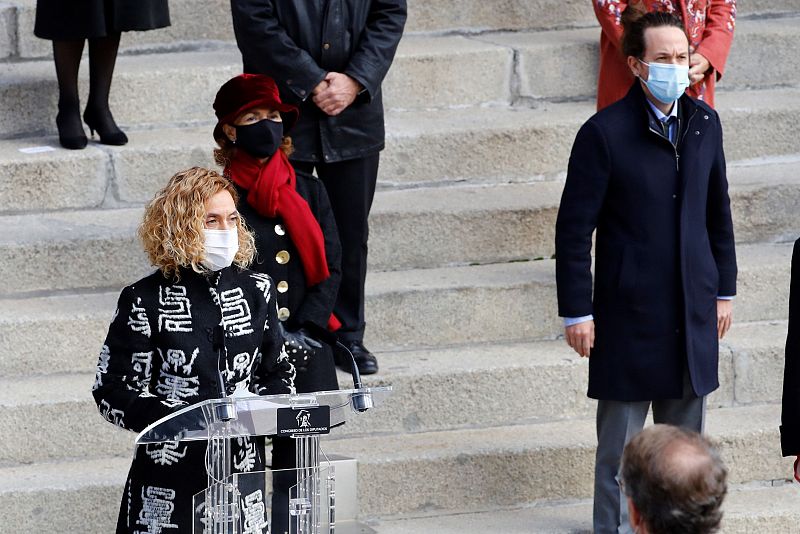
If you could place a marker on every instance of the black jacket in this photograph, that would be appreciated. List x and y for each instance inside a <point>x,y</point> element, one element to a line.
<point>664,248</point>
<point>161,355</point>
<point>305,305</point>
<point>298,43</point>
<point>790,415</point>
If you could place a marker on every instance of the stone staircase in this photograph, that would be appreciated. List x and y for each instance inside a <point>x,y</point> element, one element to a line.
<point>489,428</point>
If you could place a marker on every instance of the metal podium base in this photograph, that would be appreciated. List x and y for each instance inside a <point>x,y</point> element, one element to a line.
<point>354,527</point>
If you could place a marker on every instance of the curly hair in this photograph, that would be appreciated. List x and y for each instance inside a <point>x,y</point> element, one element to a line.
<point>226,150</point>
<point>676,479</point>
<point>173,222</point>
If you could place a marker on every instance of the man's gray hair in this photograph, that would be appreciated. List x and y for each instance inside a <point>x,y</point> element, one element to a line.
<point>676,480</point>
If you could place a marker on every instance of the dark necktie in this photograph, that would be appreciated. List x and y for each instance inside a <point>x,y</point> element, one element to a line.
<point>665,125</point>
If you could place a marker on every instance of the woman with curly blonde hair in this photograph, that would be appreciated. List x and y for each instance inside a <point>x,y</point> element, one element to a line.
<point>202,317</point>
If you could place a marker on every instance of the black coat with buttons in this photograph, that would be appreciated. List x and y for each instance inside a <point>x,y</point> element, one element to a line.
<point>298,43</point>
<point>664,248</point>
<point>299,305</point>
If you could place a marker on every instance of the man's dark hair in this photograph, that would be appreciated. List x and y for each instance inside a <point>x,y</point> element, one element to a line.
<point>634,27</point>
<point>676,479</point>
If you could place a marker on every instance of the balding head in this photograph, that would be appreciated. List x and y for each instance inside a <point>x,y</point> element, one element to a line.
<point>675,480</point>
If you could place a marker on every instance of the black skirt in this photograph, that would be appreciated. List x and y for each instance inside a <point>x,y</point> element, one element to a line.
<point>85,19</point>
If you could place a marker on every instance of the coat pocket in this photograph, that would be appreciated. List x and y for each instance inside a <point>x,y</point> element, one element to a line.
<point>628,271</point>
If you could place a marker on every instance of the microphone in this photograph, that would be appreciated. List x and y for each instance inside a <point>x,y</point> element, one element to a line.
<point>361,401</point>
<point>225,411</point>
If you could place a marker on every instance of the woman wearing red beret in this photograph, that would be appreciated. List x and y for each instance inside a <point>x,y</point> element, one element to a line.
<point>295,234</point>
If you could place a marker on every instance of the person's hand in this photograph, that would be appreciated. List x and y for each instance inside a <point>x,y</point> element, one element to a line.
<point>698,66</point>
<point>338,95</point>
<point>724,316</point>
<point>300,347</point>
<point>580,337</point>
<point>321,86</point>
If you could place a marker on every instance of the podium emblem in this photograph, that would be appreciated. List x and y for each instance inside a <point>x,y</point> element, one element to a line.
<point>304,421</point>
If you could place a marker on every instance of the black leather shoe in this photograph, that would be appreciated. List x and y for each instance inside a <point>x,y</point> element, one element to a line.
<point>366,361</point>
<point>70,130</point>
<point>104,124</point>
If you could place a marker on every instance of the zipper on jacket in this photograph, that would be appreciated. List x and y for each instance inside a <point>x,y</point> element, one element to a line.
<point>674,147</point>
<point>679,140</point>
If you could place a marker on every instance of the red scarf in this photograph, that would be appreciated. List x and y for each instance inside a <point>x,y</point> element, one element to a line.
<point>272,191</point>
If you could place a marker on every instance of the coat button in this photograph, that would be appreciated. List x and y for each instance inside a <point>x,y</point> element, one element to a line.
<point>283,286</point>
<point>283,314</point>
<point>705,117</point>
<point>326,46</point>
<point>282,257</point>
<point>280,230</point>
<point>697,132</point>
<point>302,92</point>
<point>674,196</point>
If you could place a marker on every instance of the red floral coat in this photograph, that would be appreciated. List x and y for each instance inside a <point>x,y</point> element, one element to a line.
<point>709,25</point>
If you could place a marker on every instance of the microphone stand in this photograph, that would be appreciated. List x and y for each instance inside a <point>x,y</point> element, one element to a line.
<point>361,401</point>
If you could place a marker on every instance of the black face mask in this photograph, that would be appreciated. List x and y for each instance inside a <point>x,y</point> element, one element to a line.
<point>260,139</point>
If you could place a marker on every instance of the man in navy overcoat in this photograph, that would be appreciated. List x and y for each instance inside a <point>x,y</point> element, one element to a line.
<point>648,175</point>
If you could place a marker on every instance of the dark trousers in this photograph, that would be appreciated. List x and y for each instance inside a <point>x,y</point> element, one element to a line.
<point>617,423</point>
<point>351,189</point>
<point>283,457</point>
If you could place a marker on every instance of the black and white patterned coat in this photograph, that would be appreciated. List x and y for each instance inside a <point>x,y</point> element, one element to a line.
<point>159,356</point>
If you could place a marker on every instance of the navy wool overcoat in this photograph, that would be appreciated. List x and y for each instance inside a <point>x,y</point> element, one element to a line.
<point>664,247</point>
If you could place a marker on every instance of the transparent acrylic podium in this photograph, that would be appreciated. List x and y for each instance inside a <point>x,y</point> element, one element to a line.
<point>235,503</point>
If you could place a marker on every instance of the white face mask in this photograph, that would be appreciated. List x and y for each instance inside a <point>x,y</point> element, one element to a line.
<point>221,247</point>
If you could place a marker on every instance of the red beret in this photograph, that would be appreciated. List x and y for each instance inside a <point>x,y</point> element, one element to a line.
<point>248,91</point>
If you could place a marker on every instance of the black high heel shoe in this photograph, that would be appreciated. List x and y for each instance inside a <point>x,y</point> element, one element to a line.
<point>68,122</point>
<point>109,132</point>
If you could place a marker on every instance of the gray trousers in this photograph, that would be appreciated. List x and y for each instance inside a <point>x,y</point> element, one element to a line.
<point>617,423</point>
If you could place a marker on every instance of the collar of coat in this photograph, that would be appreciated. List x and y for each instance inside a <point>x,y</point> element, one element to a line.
<point>637,99</point>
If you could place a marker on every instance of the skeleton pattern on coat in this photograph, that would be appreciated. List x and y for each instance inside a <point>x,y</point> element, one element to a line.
<point>159,356</point>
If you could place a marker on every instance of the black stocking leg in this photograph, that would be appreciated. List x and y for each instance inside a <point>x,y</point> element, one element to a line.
<point>102,58</point>
<point>67,56</point>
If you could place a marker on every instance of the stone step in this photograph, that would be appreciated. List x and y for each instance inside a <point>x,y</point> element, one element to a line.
<point>507,465</point>
<point>457,305</point>
<point>8,31</point>
<point>449,150</point>
<point>410,229</point>
<point>563,64</point>
<point>525,144</point>
<point>84,495</point>
<point>193,22</point>
<point>463,469</point>
<point>423,148</point>
<point>508,383</point>
<point>747,508</point>
<point>179,87</point>
<point>198,21</point>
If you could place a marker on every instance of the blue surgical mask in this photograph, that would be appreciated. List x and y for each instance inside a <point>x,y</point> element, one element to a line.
<point>666,81</point>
